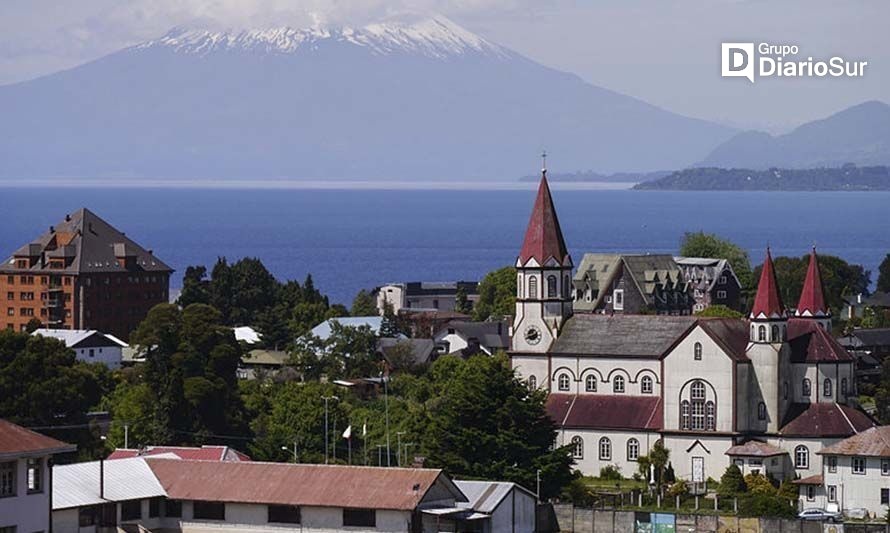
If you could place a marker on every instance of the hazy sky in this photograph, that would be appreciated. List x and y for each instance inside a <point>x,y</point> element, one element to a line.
<point>666,52</point>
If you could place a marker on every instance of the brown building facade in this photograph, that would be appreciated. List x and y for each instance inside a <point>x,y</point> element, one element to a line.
<point>82,274</point>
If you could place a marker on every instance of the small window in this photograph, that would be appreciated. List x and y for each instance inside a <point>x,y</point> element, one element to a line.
<point>785,390</point>
<point>577,448</point>
<point>618,384</point>
<point>722,280</point>
<point>761,333</point>
<point>710,416</point>
<point>721,295</point>
<point>86,516</point>
<point>551,287</point>
<point>826,388</point>
<point>7,479</point>
<point>859,465</point>
<point>885,467</point>
<point>684,414</point>
<point>35,474</point>
<point>532,382</point>
<point>775,333</point>
<point>832,493</point>
<point>811,492</point>
<point>209,510</point>
<point>761,411</point>
<point>697,351</point>
<point>805,388</point>
<point>360,517</point>
<point>284,514</point>
<point>605,449</point>
<point>131,510</point>
<point>154,507</point>
<point>885,496</point>
<point>533,288</point>
<point>646,385</point>
<point>633,449</point>
<point>801,457</point>
<point>173,508</point>
<point>832,463</point>
<point>563,382</point>
<point>618,299</point>
<point>590,383</point>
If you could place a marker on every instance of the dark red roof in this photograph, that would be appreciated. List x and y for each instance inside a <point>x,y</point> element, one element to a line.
<point>16,440</point>
<point>812,344</point>
<point>543,237</point>
<point>768,302</point>
<point>730,333</point>
<point>594,411</point>
<point>298,484</point>
<point>812,296</point>
<point>824,420</point>
<point>204,453</point>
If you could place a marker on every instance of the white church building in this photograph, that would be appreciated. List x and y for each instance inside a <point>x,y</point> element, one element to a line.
<point>766,393</point>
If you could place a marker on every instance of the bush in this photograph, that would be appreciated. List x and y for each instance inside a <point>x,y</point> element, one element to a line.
<point>760,504</point>
<point>578,493</point>
<point>731,482</point>
<point>611,472</point>
<point>678,489</point>
<point>759,484</point>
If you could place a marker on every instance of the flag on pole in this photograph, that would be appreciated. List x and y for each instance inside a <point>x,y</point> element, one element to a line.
<point>348,433</point>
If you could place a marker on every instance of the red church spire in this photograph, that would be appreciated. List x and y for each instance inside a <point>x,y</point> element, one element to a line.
<point>768,302</point>
<point>812,296</point>
<point>543,238</point>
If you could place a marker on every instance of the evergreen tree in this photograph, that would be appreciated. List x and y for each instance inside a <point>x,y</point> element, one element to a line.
<point>364,304</point>
<point>884,275</point>
<point>732,483</point>
<point>462,302</point>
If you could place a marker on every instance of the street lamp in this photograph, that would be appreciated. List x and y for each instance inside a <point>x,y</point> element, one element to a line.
<point>326,400</point>
<point>285,448</point>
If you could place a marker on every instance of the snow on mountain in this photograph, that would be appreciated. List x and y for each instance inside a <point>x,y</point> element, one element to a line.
<point>435,37</point>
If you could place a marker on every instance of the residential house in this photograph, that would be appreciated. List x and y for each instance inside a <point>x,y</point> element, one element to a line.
<point>261,362</point>
<point>82,274</point>
<point>468,338</point>
<point>855,474</point>
<point>702,386</point>
<point>90,346</point>
<point>165,492</point>
<point>855,306</point>
<point>713,282</point>
<point>629,284</point>
<point>425,295</point>
<point>25,480</point>
<point>402,354</point>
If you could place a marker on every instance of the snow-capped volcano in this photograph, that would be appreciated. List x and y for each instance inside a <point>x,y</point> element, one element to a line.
<point>435,37</point>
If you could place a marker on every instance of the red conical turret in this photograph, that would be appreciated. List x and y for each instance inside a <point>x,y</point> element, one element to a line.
<point>812,296</point>
<point>543,237</point>
<point>768,302</point>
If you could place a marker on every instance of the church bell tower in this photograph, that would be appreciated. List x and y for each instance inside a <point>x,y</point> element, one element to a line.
<point>543,278</point>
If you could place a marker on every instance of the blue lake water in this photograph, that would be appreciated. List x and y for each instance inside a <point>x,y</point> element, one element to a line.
<point>353,239</point>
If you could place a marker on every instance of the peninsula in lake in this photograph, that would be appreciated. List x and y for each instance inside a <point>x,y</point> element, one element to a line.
<point>848,177</point>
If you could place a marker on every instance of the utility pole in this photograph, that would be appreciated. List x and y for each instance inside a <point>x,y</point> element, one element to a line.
<point>326,400</point>
<point>386,407</point>
<point>399,447</point>
<point>380,454</point>
<point>126,436</point>
<point>407,445</point>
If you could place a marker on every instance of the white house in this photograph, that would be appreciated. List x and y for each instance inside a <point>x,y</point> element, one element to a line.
<point>25,480</point>
<point>89,345</point>
<point>855,474</point>
<point>196,496</point>
<point>459,335</point>
<point>705,387</point>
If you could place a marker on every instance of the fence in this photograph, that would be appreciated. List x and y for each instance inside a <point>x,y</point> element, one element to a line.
<point>577,519</point>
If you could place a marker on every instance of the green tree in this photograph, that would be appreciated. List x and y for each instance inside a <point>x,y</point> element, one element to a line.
<point>732,483</point>
<point>485,423</point>
<point>348,352</point>
<point>759,484</point>
<point>719,311</point>
<point>462,302</point>
<point>701,244</point>
<point>882,395</point>
<point>194,287</point>
<point>884,275</point>
<point>364,304</point>
<point>839,278</point>
<point>497,294</point>
<point>391,325</point>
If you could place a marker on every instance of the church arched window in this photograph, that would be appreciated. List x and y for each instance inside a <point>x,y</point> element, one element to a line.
<point>697,351</point>
<point>533,288</point>
<point>618,384</point>
<point>532,382</point>
<point>761,333</point>
<point>566,286</point>
<point>801,457</point>
<point>684,414</point>
<point>698,390</point>
<point>805,388</point>
<point>775,331</point>
<point>605,449</point>
<point>563,382</point>
<point>826,388</point>
<point>577,448</point>
<point>633,449</point>
<point>551,286</point>
<point>761,411</point>
<point>590,383</point>
<point>646,385</point>
<point>710,416</point>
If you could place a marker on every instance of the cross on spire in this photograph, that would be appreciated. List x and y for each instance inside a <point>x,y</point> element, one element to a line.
<point>544,162</point>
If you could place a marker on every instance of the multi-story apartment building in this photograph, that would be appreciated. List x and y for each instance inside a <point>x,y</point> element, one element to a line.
<point>713,282</point>
<point>81,274</point>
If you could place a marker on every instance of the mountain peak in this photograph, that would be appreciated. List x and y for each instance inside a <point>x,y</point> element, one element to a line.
<point>436,37</point>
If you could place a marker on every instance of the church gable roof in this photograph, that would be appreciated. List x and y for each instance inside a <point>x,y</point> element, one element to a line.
<point>812,344</point>
<point>644,336</point>
<point>824,419</point>
<point>730,334</point>
<point>543,236</point>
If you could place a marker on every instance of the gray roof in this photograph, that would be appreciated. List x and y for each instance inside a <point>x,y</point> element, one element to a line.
<point>873,337</point>
<point>704,271</point>
<point>485,496</point>
<point>265,357</point>
<point>647,271</point>
<point>88,244</point>
<point>77,485</point>
<point>421,349</point>
<point>647,336</point>
<point>878,299</point>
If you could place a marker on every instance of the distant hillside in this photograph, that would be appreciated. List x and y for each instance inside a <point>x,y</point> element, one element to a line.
<point>413,99</point>
<point>859,134</point>
<point>846,178</point>
<point>591,176</point>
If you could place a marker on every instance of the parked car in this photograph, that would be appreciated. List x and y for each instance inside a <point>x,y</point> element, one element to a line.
<point>819,514</point>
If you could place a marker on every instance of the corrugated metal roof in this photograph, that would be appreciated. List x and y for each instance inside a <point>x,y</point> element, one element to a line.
<point>824,420</point>
<point>874,442</point>
<point>204,453</point>
<point>16,440</point>
<point>77,485</point>
<point>73,337</point>
<point>323,330</point>
<point>299,484</point>
<point>485,496</point>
